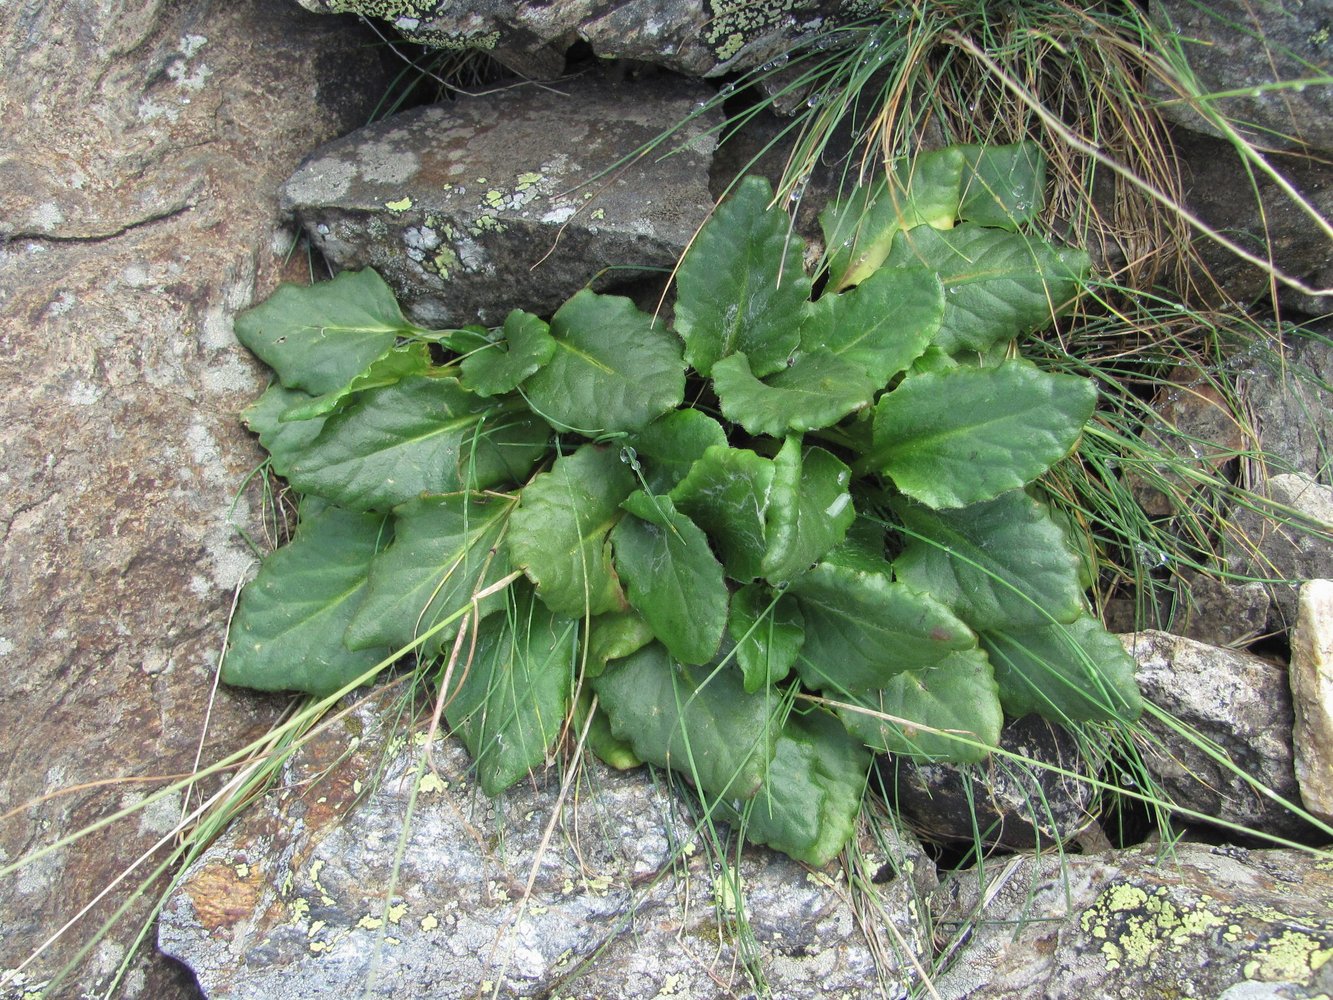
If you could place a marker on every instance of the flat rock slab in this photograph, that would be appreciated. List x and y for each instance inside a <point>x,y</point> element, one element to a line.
<point>513,200</point>
<point>1186,921</point>
<point>1240,702</point>
<point>1312,694</point>
<point>143,144</point>
<point>301,898</point>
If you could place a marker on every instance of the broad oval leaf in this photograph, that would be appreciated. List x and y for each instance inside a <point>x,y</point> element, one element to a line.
<point>509,700</point>
<point>862,628</point>
<point>946,712</point>
<point>421,435</point>
<point>285,440</point>
<point>697,721</point>
<point>320,337</point>
<point>997,285</point>
<point>614,367</point>
<point>669,446</point>
<point>882,325</point>
<point>443,552</point>
<point>671,577</point>
<point>288,631</point>
<point>726,493</point>
<point>613,636</point>
<point>1002,564</point>
<point>768,631</point>
<point>501,367</point>
<point>611,751</point>
<point>1003,185</point>
<point>392,366</point>
<point>810,512</point>
<point>558,535</point>
<point>966,435</point>
<point>1077,672</point>
<point>742,286</point>
<point>811,799</point>
<point>818,390</point>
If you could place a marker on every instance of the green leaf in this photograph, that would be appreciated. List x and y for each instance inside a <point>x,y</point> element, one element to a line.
<point>997,285</point>
<point>818,390</point>
<point>1077,672</point>
<point>860,229</point>
<point>609,750</point>
<point>1002,564</point>
<point>558,535</point>
<point>1003,185</point>
<point>390,367</point>
<point>970,434</point>
<point>810,802</point>
<point>956,696</point>
<point>421,435</point>
<point>742,285</point>
<point>288,630</point>
<point>614,368</point>
<point>442,554</point>
<point>810,511</point>
<point>613,636</point>
<point>861,629</point>
<point>862,549</point>
<point>670,445</point>
<point>696,721</point>
<point>285,440</point>
<point>671,577</point>
<point>882,325</point>
<point>319,338</point>
<point>726,493</point>
<point>499,368</point>
<point>768,632</point>
<point>510,702</point>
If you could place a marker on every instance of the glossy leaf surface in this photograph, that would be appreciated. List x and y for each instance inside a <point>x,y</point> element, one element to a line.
<point>727,494</point>
<point>769,631</point>
<point>818,390</point>
<point>810,511</point>
<point>501,367</point>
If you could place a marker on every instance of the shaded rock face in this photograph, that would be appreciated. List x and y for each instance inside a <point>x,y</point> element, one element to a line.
<point>1291,404</point>
<point>299,899</point>
<point>696,37</point>
<point>143,145</point>
<point>513,200</point>
<point>1002,802</point>
<point>1239,701</point>
<point>1195,921</point>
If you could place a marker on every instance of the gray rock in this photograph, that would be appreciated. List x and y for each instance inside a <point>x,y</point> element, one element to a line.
<point>1288,540</point>
<point>1149,923</point>
<point>1312,696</point>
<point>1290,401</point>
<point>143,144</point>
<point>1241,703</point>
<point>1003,802</point>
<point>695,37</point>
<point>1243,50</point>
<point>516,199</point>
<point>301,898</point>
<point>1221,612</point>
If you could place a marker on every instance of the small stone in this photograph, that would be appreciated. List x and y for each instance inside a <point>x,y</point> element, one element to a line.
<point>1312,696</point>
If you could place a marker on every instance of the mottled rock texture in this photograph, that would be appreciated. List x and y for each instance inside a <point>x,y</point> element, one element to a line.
<point>302,898</point>
<point>143,144</point>
<point>513,200</point>
<point>1242,703</point>
<point>1191,921</point>
<point>1312,695</point>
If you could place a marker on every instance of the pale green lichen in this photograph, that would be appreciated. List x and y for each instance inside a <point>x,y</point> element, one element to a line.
<point>401,205</point>
<point>1294,956</point>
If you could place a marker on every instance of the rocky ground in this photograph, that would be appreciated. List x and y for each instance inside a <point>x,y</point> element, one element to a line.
<point>159,159</point>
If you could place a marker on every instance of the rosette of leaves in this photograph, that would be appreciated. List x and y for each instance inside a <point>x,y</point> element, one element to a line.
<point>774,538</point>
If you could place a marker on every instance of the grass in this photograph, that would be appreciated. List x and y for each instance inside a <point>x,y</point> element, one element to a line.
<point>1076,80</point>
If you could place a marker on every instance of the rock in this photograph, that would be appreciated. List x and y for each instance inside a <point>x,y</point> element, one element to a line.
<point>1002,803</point>
<point>301,897</point>
<point>695,37</point>
<point>1312,696</point>
<point>516,199</point>
<point>1290,403</point>
<point>1148,923</point>
<point>143,147</point>
<point>1289,541</point>
<point>1246,51</point>
<point>1240,702</point>
<point>1221,612</point>
<point>1255,214</point>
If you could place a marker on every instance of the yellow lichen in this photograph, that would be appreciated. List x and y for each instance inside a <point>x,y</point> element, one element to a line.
<point>401,205</point>
<point>1292,957</point>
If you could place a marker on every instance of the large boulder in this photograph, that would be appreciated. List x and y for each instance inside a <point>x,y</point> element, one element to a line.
<point>143,146</point>
<point>377,869</point>
<point>516,199</point>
